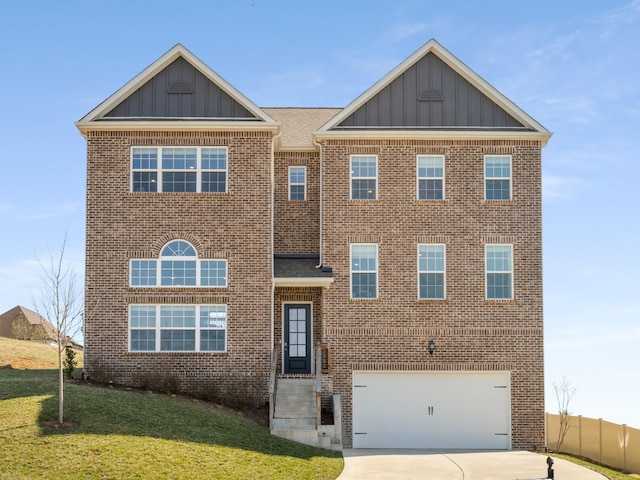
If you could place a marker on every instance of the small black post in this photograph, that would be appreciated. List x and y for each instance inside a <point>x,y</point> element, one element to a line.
<point>549,467</point>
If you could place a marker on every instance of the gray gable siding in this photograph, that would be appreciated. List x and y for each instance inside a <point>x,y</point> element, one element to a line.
<point>430,94</point>
<point>206,99</point>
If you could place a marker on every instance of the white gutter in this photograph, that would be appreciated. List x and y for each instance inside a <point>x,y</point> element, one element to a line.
<point>271,253</point>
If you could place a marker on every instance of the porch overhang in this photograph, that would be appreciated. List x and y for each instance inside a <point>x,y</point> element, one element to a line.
<point>300,270</point>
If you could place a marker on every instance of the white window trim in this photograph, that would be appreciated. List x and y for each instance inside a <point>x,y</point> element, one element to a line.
<point>351,271</point>
<point>510,178</point>
<point>351,178</point>
<point>199,170</point>
<point>292,184</point>
<point>487,272</point>
<point>198,261</point>
<point>158,261</point>
<point>418,178</point>
<point>444,272</point>
<point>197,327</point>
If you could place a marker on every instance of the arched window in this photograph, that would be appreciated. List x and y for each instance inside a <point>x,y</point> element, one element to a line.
<point>178,266</point>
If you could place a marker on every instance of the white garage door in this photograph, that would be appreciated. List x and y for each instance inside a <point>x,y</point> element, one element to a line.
<point>432,410</point>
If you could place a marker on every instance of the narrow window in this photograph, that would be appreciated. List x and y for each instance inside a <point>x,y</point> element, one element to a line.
<point>214,169</point>
<point>431,272</point>
<point>213,328</point>
<point>144,169</point>
<point>142,325</point>
<point>144,273</point>
<point>497,177</point>
<point>499,272</point>
<point>364,177</point>
<point>297,183</point>
<point>364,270</point>
<point>430,177</point>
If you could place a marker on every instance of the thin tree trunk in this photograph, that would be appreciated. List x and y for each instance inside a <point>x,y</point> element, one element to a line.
<point>60,387</point>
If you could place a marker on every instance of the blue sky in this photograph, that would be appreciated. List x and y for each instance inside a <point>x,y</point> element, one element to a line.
<point>572,65</point>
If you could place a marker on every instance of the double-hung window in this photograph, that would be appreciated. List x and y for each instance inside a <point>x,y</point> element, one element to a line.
<point>364,271</point>
<point>497,177</point>
<point>297,183</point>
<point>431,271</point>
<point>499,272</point>
<point>178,266</point>
<point>179,169</point>
<point>177,328</point>
<point>430,177</point>
<point>364,177</point>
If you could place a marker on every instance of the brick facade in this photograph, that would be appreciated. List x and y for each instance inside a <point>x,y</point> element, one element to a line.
<point>255,220</point>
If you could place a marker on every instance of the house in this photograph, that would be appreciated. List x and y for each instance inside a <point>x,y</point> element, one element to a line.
<point>24,324</point>
<point>383,260</point>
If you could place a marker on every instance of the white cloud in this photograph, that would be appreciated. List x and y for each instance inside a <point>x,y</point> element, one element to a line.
<point>612,20</point>
<point>405,30</point>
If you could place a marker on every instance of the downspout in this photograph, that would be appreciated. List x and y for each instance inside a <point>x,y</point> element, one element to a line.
<point>273,278</point>
<point>320,218</point>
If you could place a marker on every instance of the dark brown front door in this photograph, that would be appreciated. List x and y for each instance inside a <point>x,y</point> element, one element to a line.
<point>297,338</point>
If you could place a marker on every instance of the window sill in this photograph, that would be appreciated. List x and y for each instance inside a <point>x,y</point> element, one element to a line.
<point>432,201</point>
<point>500,302</point>
<point>498,202</point>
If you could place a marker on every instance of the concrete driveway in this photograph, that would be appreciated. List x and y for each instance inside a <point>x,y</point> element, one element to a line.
<point>379,464</point>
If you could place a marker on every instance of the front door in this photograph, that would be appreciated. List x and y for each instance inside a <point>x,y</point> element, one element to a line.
<point>297,338</point>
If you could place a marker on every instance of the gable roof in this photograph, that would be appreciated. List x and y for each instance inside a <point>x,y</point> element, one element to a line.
<point>180,74</point>
<point>34,318</point>
<point>433,94</point>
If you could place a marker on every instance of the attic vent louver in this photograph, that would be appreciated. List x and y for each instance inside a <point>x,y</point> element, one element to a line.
<point>430,95</point>
<point>180,87</point>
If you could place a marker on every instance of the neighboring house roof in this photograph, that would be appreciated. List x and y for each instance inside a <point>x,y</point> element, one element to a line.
<point>300,270</point>
<point>298,125</point>
<point>8,317</point>
<point>432,94</point>
<point>187,94</point>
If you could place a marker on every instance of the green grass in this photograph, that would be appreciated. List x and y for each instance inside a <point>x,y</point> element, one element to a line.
<point>606,471</point>
<point>119,434</point>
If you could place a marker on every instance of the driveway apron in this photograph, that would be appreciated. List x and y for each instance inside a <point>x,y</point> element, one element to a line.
<point>387,464</point>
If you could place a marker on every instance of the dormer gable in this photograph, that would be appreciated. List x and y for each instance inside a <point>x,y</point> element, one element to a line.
<point>428,94</point>
<point>177,88</point>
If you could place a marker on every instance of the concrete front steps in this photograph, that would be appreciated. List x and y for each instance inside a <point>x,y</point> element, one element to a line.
<point>295,415</point>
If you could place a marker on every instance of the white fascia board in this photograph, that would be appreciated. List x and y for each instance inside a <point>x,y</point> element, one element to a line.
<point>177,51</point>
<point>302,281</point>
<point>407,134</point>
<point>458,66</point>
<point>176,126</point>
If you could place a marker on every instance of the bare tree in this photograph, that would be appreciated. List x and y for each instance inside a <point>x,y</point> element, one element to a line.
<point>564,393</point>
<point>59,301</point>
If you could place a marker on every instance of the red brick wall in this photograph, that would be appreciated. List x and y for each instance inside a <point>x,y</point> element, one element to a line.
<point>297,224</point>
<point>123,225</point>
<point>391,333</point>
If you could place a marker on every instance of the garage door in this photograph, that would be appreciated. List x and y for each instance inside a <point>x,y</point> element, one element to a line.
<point>432,410</point>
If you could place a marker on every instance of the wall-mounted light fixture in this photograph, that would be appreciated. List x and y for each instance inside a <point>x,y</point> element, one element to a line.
<point>431,347</point>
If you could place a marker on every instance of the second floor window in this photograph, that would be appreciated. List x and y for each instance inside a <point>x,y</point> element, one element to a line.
<point>497,177</point>
<point>364,177</point>
<point>178,266</point>
<point>430,177</point>
<point>179,169</point>
<point>364,271</point>
<point>499,272</point>
<point>431,271</point>
<point>297,183</point>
